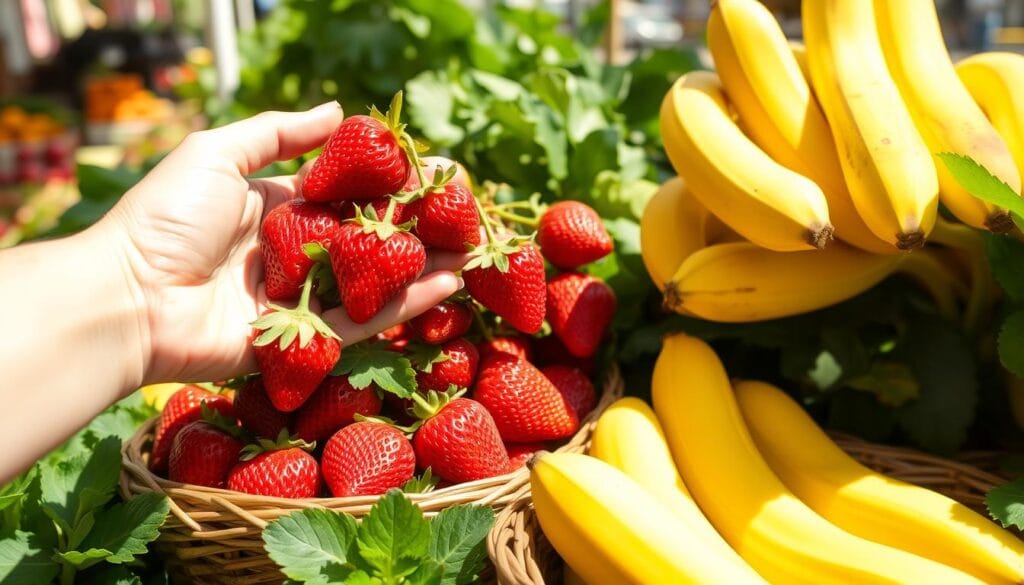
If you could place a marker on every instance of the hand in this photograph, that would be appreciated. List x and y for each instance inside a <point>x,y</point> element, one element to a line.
<point>190,232</point>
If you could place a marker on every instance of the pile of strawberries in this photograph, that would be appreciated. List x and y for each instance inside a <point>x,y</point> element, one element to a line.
<point>486,383</point>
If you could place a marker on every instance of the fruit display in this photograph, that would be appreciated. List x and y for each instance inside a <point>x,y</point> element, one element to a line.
<point>36,145</point>
<point>453,393</point>
<point>654,503</point>
<point>821,163</point>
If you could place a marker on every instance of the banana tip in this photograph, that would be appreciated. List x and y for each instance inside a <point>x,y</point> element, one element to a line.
<point>820,236</point>
<point>532,461</point>
<point>671,298</point>
<point>999,222</point>
<point>910,240</point>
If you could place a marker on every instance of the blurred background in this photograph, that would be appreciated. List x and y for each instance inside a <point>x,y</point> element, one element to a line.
<point>92,92</point>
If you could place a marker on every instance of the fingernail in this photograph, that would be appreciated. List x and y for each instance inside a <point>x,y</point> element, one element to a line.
<point>461,283</point>
<point>327,106</point>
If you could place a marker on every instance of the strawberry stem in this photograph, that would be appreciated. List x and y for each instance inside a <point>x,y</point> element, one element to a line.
<point>389,214</point>
<point>479,318</point>
<point>307,288</point>
<point>486,220</point>
<point>520,219</point>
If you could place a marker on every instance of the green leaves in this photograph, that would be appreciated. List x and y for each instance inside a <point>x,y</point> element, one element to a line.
<point>978,181</point>
<point>24,561</point>
<point>393,545</point>
<point>123,531</point>
<point>1005,503</point>
<point>370,362</point>
<point>1011,343</point>
<point>73,488</point>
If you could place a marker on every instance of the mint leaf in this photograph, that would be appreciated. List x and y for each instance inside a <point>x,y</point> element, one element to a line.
<point>125,529</point>
<point>370,362</point>
<point>312,545</point>
<point>1011,343</point>
<point>978,181</point>
<point>1005,256</point>
<point>393,539</point>
<point>1005,503</point>
<point>23,560</point>
<point>73,487</point>
<point>457,542</point>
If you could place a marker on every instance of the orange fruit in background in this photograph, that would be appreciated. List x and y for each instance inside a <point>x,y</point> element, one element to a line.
<point>13,118</point>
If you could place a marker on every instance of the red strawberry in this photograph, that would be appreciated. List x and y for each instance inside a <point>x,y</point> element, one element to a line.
<point>526,405</point>
<point>203,454</point>
<point>183,407</point>
<point>285,229</point>
<point>334,405</point>
<point>373,262</point>
<point>575,388</point>
<point>549,350</point>
<point>447,218</point>
<point>295,351</point>
<point>579,309</point>
<point>508,278</point>
<point>442,322</point>
<point>280,469</point>
<point>399,335</point>
<point>455,364</point>
<point>571,234</point>
<point>363,159</point>
<point>367,459</point>
<point>458,440</point>
<point>256,412</point>
<point>520,453</point>
<point>516,345</point>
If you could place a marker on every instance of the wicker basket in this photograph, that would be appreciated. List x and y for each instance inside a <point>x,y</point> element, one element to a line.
<point>213,535</point>
<point>522,556</point>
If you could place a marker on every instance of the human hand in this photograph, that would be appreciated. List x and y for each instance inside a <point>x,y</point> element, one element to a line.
<point>190,233</point>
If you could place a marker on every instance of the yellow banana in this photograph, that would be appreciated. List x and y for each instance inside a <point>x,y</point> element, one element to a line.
<point>888,169</point>
<point>800,54</point>
<point>776,107</point>
<point>870,504</point>
<point>762,200</point>
<point>943,110</point>
<point>157,395</point>
<point>569,577</point>
<point>739,282</point>
<point>673,226</point>
<point>784,540</point>
<point>629,437</point>
<point>995,80</point>
<point>611,531</point>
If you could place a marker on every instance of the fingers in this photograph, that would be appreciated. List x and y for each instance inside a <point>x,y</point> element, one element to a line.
<point>445,260</point>
<point>426,292</point>
<point>255,142</point>
<point>276,190</point>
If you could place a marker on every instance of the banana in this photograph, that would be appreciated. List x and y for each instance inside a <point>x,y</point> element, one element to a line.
<point>629,437</point>
<point>762,200</point>
<point>611,531</point>
<point>784,540</point>
<point>800,54</point>
<point>157,395</point>
<point>777,108</point>
<point>673,226</point>
<point>994,81</point>
<point>888,170</point>
<point>870,504</point>
<point>943,110</point>
<point>740,282</point>
<point>569,577</point>
<point>928,270</point>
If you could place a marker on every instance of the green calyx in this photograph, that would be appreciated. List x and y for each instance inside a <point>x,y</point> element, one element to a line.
<point>282,442</point>
<point>383,228</point>
<point>441,178</point>
<point>393,117</point>
<point>426,407</point>
<point>423,356</point>
<point>383,420</point>
<point>495,253</point>
<point>221,422</point>
<point>286,325</point>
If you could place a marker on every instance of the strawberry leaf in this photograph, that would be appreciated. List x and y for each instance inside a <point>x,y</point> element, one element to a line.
<point>313,545</point>
<point>423,356</point>
<point>978,181</point>
<point>123,531</point>
<point>24,560</point>
<point>371,362</point>
<point>1011,343</point>
<point>1005,503</point>
<point>394,538</point>
<point>458,542</point>
<point>420,484</point>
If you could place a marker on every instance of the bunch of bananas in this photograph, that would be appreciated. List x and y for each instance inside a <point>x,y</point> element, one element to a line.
<point>805,175</point>
<point>735,483</point>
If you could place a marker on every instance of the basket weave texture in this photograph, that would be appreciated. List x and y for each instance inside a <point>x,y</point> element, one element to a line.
<point>214,535</point>
<point>523,556</point>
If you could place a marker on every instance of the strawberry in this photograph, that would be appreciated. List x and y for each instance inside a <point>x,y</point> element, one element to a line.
<point>442,322</point>
<point>520,453</point>
<point>549,350</point>
<point>285,229</point>
<point>202,454</point>
<point>571,234</point>
<point>256,412</point>
<point>183,407</point>
<point>575,388</point>
<point>280,469</point>
<point>454,365</point>
<point>367,459</point>
<point>295,351</point>
<point>508,278</point>
<point>458,439</point>
<point>579,309</point>
<point>373,262</point>
<point>334,405</point>
<point>526,406</point>
<point>516,345</point>
<point>447,218</point>
<point>399,335</point>
<point>363,158</point>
